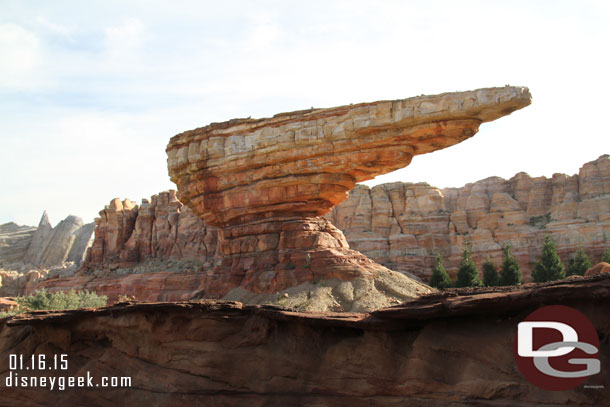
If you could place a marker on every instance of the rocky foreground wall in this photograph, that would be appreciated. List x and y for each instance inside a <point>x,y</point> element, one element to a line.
<point>440,350</point>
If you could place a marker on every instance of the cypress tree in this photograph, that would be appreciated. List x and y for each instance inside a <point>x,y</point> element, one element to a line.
<point>468,275</point>
<point>510,274</point>
<point>606,256</point>
<point>440,279</point>
<point>550,267</point>
<point>490,274</point>
<point>579,264</point>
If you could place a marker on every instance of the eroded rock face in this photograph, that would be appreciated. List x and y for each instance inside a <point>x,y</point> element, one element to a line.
<point>265,182</point>
<point>440,350</point>
<point>14,242</point>
<point>28,254</point>
<point>160,229</point>
<point>403,225</point>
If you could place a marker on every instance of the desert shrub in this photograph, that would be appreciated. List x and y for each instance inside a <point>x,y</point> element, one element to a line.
<point>510,274</point>
<point>540,221</point>
<point>606,256</point>
<point>468,274</point>
<point>549,267</point>
<point>126,298</point>
<point>440,279</point>
<point>579,264</point>
<point>44,300</point>
<point>490,274</point>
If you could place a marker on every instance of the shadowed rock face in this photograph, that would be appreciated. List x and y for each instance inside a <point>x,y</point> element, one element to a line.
<point>440,350</point>
<point>265,182</point>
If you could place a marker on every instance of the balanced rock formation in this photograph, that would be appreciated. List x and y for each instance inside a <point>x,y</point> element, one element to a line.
<point>440,350</point>
<point>404,225</point>
<point>265,182</point>
<point>28,254</point>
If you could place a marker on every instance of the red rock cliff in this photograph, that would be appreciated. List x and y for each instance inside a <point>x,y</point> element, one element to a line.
<point>403,225</point>
<point>400,225</point>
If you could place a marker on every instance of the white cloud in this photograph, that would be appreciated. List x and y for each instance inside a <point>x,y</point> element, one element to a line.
<point>122,42</point>
<point>54,27</point>
<point>20,54</point>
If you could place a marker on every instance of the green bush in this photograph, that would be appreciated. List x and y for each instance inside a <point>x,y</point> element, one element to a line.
<point>468,274</point>
<point>579,264</point>
<point>490,274</point>
<point>440,279</point>
<point>44,300</point>
<point>540,221</point>
<point>550,267</point>
<point>510,274</point>
<point>606,256</point>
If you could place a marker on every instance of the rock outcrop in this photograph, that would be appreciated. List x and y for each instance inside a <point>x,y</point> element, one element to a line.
<point>161,228</point>
<point>265,182</point>
<point>28,254</point>
<point>440,350</point>
<point>403,225</point>
<point>598,269</point>
<point>14,242</point>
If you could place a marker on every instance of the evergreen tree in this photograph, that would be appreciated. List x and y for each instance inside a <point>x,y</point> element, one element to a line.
<point>606,256</point>
<point>550,267</point>
<point>440,279</point>
<point>579,264</point>
<point>510,274</point>
<point>490,274</point>
<point>468,275</point>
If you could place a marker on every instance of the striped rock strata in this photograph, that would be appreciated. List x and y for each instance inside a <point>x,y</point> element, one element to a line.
<point>265,182</point>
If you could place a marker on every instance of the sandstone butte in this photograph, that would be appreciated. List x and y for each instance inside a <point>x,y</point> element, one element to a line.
<point>265,182</point>
<point>438,350</point>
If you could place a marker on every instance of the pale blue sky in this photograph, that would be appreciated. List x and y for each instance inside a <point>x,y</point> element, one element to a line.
<point>91,92</point>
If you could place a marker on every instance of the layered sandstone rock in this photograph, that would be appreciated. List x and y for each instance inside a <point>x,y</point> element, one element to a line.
<point>440,350</point>
<point>159,229</point>
<point>264,182</point>
<point>403,225</point>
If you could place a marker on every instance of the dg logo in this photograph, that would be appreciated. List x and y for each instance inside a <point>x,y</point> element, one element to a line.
<point>557,348</point>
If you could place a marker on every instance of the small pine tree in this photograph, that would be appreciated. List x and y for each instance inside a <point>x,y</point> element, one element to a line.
<point>550,267</point>
<point>490,274</point>
<point>468,275</point>
<point>440,279</point>
<point>606,256</point>
<point>579,264</point>
<point>510,274</point>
